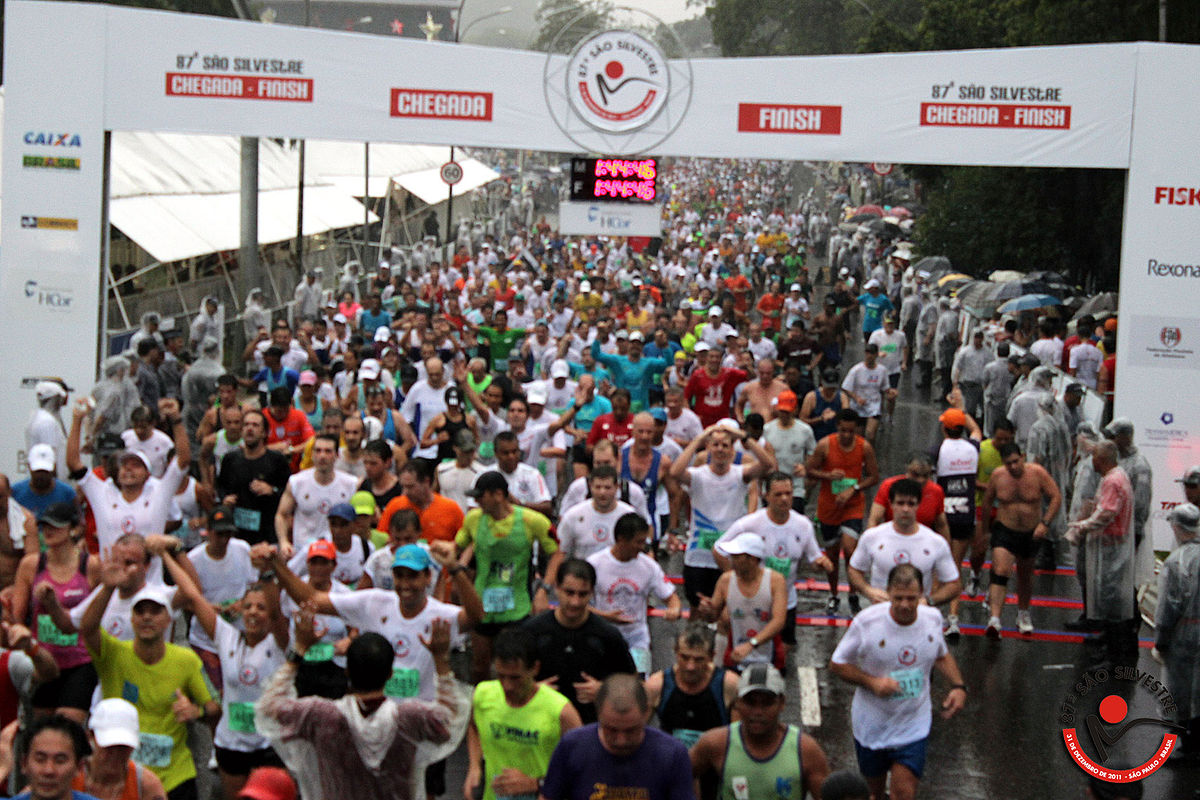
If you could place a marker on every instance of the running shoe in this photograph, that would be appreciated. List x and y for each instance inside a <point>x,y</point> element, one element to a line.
<point>973,584</point>
<point>855,604</point>
<point>1024,623</point>
<point>952,632</point>
<point>993,628</point>
<point>833,605</point>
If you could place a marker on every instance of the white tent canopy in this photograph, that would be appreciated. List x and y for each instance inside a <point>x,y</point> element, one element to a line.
<point>411,166</point>
<point>178,195</point>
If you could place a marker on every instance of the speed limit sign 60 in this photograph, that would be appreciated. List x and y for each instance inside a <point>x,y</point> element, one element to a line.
<point>451,172</point>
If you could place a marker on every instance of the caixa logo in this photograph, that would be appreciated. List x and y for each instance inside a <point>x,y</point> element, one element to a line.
<point>51,297</point>
<point>50,139</point>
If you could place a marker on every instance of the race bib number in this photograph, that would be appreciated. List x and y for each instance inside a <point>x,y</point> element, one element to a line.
<point>912,682</point>
<point>641,659</point>
<point>48,633</point>
<point>839,485</point>
<point>706,539</point>
<point>781,565</point>
<point>686,735</point>
<point>248,519</point>
<point>241,718</point>
<point>319,651</point>
<point>956,506</point>
<point>154,750</point>
<point>498,599</point>
<point>487,450</point>
<point>403,683</point>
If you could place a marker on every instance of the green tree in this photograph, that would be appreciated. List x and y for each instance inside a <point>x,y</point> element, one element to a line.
<point>565,23</point>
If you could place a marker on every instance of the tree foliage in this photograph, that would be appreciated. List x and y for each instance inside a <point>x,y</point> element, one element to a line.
<point>982,218</point>
<point>562,24</point>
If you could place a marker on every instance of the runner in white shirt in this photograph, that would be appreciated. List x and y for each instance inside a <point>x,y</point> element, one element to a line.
<point>135,502</point>
<point>454,478</point>
<point>134,553</point>
<point>587,527</point>
<point>332,631</point>
<point>888,653</point>
<point>402,616</point>
<point>903,540</point>
<point>525,483</point>
<point>144,438</point>
<point>1085,361</point>
<point>867,384</point>
<point>303,508</point>
<point>719,491</point>
<point>626,578</point>
<point>893,353</point>
<point>788,536</point>
<point>683,424</point>
<point>351,552</point>
<point>223,566</point>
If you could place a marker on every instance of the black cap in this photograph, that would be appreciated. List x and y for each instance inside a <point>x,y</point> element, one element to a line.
<point>60,515</point>
<point>870,347</point>
<point>220,519</point>
<point>491,481</point>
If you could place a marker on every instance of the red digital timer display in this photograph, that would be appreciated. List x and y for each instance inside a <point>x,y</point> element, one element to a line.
<point>614,179</point>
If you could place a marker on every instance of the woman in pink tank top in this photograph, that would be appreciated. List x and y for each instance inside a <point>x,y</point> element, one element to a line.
<point>48,585</point>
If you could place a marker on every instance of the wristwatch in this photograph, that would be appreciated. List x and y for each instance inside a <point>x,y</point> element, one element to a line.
<point>754,641</point>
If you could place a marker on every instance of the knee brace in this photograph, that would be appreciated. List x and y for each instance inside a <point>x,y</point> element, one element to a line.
<point>998,580</point>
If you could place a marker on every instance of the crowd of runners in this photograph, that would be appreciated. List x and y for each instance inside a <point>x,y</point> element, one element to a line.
<point>501,464</point>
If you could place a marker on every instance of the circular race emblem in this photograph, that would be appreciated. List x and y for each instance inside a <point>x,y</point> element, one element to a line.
<point>620,89</point>
<point>128,525</point>
<point>248,676</point>
<point>907,656</point>
<point>402,647</point>
<point>617,81</point>
<point>901,557</point>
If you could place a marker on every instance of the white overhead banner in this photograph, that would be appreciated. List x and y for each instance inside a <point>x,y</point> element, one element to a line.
<point>618,93</point>
<point>1158,343</point>
<point>576,218</point>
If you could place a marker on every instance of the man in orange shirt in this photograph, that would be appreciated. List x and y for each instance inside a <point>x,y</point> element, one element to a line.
<point>741,289</point>
<point>288,428</point>
<point>440,516</point>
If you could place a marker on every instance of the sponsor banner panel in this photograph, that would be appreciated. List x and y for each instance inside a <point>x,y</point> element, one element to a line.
<point>1158,346</point>
<point>613,219</point>
<point>53,149</point>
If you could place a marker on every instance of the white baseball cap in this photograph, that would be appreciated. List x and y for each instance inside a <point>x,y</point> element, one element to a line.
<point>154,594</point>
<point>637,336</point>
<point>714,312</point>
<point>47,389</point>
<point>41,458</point>
<point>115,722</point>
<point>560,369</point>
<point>872,284</point>
<point>701,347</point>
<point>369,370</point>
<point>585,286</point>
<point>536,395</point>
<point>383,333</point>
<point>750,544</point>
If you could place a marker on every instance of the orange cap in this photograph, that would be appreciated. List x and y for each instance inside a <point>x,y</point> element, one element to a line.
<point>953,418</point>
<point>786,401</point>
<point>322,548</point>
<point>1110,324</point>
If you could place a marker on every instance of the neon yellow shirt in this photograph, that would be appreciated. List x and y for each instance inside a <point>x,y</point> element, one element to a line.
<point>522,738</point>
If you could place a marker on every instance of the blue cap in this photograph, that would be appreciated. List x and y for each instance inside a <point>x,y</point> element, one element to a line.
<point>659,413</point>
<point>411,556</point>
<point>343,511</point>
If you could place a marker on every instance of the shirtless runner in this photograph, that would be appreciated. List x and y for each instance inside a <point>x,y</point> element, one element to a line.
<point>758,394</point>
<point>1018,492</point>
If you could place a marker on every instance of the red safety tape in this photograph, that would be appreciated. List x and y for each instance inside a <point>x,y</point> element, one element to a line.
<point>813,585</point>
<point>968,630</point>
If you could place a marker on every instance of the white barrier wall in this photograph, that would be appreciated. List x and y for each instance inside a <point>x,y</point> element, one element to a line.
<point>76,70</point>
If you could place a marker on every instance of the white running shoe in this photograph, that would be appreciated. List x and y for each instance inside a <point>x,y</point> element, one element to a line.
<point>952,627</point>
<point>973,584</point>
<point>993,628</point>
<point>1024,623</point>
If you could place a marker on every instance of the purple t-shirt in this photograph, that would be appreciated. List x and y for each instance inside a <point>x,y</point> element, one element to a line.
<point>581,769</point>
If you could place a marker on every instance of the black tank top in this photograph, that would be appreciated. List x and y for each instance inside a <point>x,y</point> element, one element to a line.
<point>684,715</point>
<point>446,448</point>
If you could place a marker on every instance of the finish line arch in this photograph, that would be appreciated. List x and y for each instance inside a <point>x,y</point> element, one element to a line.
<point>76,71</point>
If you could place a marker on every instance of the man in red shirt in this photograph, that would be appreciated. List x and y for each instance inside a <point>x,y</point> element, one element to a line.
<point>709,391</point>
<point>931,511</point>
<point>288,429</point>
<point>616,426</point>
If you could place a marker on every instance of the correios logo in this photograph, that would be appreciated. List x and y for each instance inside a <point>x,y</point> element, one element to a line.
<point>1096,704</point>
<point>617,81</point>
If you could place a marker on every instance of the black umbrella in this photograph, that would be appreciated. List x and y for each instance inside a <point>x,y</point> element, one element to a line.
<point>863,218</point>
<point>936,266</point>
<point>880,228</point>
<point>1099,304</point>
